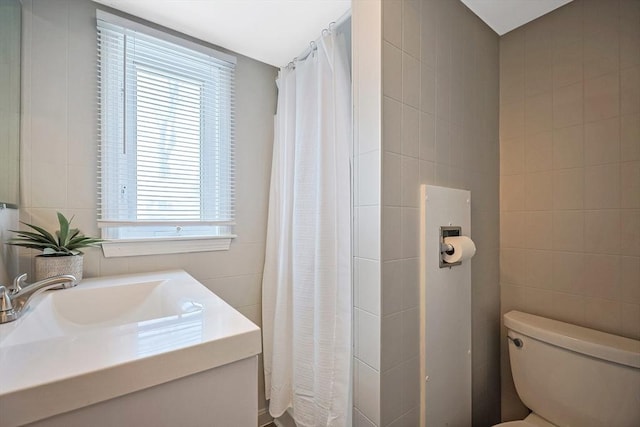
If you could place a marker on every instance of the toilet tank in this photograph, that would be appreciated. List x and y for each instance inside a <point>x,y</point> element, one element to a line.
<point>574,376</point>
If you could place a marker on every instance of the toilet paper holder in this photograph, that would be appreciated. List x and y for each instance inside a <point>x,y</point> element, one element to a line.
<point>448,231</point>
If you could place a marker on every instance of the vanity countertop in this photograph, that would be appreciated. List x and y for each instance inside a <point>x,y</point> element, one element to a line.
<point>111,336</point>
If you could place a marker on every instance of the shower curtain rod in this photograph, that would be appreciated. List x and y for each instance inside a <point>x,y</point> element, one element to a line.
<point>312,44</point>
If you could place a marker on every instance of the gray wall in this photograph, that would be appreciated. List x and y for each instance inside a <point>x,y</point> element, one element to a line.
<point>10,100</point>
<point>570,170</point>
<point>8,254</point>
<point>439,126</point>
<point>59,153</point>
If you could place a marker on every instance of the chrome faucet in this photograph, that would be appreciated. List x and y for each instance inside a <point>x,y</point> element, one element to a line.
<point>15,300</point>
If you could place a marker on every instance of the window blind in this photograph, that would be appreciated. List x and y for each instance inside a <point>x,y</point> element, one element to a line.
<point>166,132</point>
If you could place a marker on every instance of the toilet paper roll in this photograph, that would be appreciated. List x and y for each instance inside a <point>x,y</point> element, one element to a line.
<point>463,249</point>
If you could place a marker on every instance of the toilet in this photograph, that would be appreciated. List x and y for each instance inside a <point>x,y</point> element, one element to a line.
<point>571,376</point>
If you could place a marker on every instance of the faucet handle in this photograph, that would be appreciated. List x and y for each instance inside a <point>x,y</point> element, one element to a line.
<point>18,282</point>
<point>7,312</point>
<point>5,300</point>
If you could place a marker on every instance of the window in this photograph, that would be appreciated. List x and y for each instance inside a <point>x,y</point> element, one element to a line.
<point>165,167</point>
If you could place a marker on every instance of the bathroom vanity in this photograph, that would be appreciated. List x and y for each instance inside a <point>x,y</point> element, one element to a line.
<point>155,349</point>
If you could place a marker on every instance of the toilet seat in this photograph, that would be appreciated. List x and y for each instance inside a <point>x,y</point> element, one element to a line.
<point>532,420</point>
<point>515,424</point>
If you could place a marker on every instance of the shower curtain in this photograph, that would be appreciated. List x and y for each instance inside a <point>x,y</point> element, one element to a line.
<point>306,289</point>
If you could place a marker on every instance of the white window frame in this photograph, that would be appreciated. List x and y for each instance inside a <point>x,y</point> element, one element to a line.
<point>126,236</point>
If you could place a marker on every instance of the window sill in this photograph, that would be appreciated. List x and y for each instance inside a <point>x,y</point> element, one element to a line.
<point>173,245</point>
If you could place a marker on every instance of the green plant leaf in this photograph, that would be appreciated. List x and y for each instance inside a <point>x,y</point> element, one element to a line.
<point>51,252</point>
<point>19,242</point>
<point>73,233</point>
<point>83,242</point>
<point>32,236</point>
<point>25,244</point>
<point>63,233</point>
<point>77,239</point>
<point>42,231</point>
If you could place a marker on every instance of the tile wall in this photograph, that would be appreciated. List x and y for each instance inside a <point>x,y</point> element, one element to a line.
<point>439,126</point>
<point>570,170</point>
<point>58,158</point>
<point>367,99</point>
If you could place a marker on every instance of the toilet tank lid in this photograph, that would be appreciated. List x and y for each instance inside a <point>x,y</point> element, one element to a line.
<point>594,343</point>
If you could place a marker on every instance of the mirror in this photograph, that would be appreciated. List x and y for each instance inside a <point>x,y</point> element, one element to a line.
<point>10,31</point>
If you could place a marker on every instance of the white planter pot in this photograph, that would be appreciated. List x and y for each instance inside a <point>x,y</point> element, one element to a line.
<point>49,266</point>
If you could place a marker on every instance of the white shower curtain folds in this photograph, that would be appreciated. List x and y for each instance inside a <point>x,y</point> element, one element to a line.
<point>307,273</point>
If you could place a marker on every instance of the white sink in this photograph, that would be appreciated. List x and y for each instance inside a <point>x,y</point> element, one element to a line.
<point>87,308</point>
<point>118,304</point>
<point>104,330</point>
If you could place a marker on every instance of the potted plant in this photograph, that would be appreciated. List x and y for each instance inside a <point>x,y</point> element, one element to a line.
<point>60,251</point>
